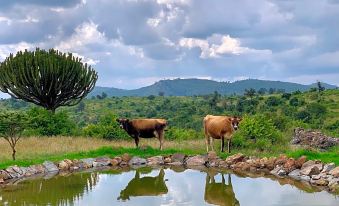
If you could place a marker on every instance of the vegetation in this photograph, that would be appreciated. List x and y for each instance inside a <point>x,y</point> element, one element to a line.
<point>11,126</point>
<point>46,78</point>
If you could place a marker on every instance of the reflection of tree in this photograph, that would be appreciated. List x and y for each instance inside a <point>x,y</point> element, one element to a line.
<point>220,193</point>
<point>55,191</point>
<point>145,186</point>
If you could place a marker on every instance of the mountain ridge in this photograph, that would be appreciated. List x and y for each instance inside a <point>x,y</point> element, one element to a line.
<point>190,87</point>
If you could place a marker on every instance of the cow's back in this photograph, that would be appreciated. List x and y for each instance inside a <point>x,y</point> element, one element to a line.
<point>148,124</point>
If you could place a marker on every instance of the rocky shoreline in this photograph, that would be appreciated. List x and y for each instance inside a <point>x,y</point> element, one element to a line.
<point>313,172</point>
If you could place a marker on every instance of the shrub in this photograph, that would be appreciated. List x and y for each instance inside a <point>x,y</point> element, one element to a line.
<point>174,133</point>
<point>45,123</point>
<point>106,128</point>
<point>273,101</point>
<point>257,132</point>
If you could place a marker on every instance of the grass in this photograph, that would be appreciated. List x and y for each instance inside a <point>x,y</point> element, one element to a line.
<point>35,150</point>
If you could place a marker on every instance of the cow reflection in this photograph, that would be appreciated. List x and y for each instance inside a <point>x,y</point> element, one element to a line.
<point>220,193</point>
<point>144,186</point>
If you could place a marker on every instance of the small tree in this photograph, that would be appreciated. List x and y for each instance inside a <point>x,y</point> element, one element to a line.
<point>250,93</point>
<point>46,78</point>
<point>320,87</point>
<point>11,126</point>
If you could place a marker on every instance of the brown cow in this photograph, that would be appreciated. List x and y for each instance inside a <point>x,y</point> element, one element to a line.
<point>220,127</point>
<point>144,128</point>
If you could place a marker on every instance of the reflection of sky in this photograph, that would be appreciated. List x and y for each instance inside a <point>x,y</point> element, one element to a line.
<point>187,188</point>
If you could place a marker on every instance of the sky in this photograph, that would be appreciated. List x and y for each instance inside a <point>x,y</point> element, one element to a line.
<point>133,43</point>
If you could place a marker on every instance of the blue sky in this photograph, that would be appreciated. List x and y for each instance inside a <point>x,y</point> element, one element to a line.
<point>133,43</point>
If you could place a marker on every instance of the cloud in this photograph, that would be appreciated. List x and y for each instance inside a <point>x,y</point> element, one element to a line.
<point>225,45</point>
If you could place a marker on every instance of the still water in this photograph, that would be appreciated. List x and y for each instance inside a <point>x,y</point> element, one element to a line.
<point>161,186</point>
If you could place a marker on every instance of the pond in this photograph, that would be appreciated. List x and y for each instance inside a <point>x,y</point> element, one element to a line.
<point>162,186</point>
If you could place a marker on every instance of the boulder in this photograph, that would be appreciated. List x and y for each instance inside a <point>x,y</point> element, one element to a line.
<point>14,171</point>
<point>88,162</point>
<point>281,160</point>
<point>328,167</point>
<point>300,161</point>
<point>295,174</point>
<point>278,171</point>
<point>167,160</point>
<point>320,182</point>
<point>290,165</point>
<point>156,160</point>
<point>2,180</point>
<point>310,170</point>
<point>4,175</point>
<point>126,157</point>
<point>314,139</point>
<point>334,172</point>
<point>137,161</point>
<point>50,166</point>
<point>242,166</point>
<point>37,169</point>
<point>116,161</point>
<point>233,159</point>
<point>63,165</point>
<point>101,162</point>
<point>178,157</point>
<point>305,178</point>
<point>212,155</point>
<point>197,160</point>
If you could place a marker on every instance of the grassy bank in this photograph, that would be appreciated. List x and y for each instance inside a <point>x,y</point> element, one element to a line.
<point>35,150</point>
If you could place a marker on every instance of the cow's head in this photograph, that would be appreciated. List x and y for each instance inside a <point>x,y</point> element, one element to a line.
<point>235,122</point>
<point>123,122</point>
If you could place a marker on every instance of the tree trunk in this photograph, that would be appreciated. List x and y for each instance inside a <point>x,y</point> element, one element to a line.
<point>13,154</point>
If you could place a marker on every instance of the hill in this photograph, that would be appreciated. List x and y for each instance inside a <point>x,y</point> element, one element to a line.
<point>190,87</point>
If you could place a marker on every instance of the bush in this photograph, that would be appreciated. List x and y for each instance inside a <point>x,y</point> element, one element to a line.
<point>273,101</point>
<point>107,128</point>
<point>182,134</point>
<point>257,132</point>
<point>45,123</point>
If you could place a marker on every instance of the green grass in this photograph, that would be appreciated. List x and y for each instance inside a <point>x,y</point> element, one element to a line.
<point>329,156</point>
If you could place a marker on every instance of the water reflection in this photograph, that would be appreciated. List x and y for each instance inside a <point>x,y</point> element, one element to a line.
<point>144,186</point>
<point>59,190</point>
<point>219,193</point>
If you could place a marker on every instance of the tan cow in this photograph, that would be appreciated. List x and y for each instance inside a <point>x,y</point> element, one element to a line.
<point>144,128</point>
<point>220,127</point>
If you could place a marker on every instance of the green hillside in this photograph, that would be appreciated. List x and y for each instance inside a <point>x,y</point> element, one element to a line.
<point>190,87</point>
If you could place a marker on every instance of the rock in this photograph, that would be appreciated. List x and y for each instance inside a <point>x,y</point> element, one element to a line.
<point>88,162</point>
<point>212,155</point>
<point>320,182</point>
<point>300,161</point>
<point>308,163</point>
<point>310,170</point>
<point>50,166</point>
<point>2,180</point>
<point>73,168</point>
<point>328,167</point>
<point>278,171</point>
<point>334,181</point>
<point>167,160</point>
<point>281,160</point>
<point>233,159</point>
<point>14,171</point>
<point>101,162</point>
<point>63,165</point>
<point>242,166</point>
<point>334,172</point>
<point>305,178</point>
<point>177,157</point>
<point>4,175</point>
<point>314,139</point>
<point>290,165</point>
<point>126,157</point>
<point>295,174</point>
<point>116,161</point>
<point>137,161</point>
<point>37,169</point>
<point>196,160</point>
<point>156,160</point>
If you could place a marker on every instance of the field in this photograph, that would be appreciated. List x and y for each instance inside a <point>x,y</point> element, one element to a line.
<point>34,150</point>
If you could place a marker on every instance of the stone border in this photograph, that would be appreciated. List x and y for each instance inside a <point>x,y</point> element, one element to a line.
<point>325,176</point>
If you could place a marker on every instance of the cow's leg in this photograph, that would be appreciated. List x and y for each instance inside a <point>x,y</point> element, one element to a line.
<point>222,144</point>
<point>136,139</point>
<point>207,141</point>
<point>161,138</point>
<point>212,143</point>
<point>229,145</point>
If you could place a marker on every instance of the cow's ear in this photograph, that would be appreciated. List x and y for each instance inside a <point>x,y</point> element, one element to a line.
<point>117,119</point>
<point>127,120</point>
<point>230,119</point>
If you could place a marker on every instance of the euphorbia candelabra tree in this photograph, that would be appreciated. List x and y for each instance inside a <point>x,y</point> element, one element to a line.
<point>47,78</point>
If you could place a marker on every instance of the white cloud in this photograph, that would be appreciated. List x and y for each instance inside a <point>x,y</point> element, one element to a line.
<point>225,45</point>
<point>6,49</point>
